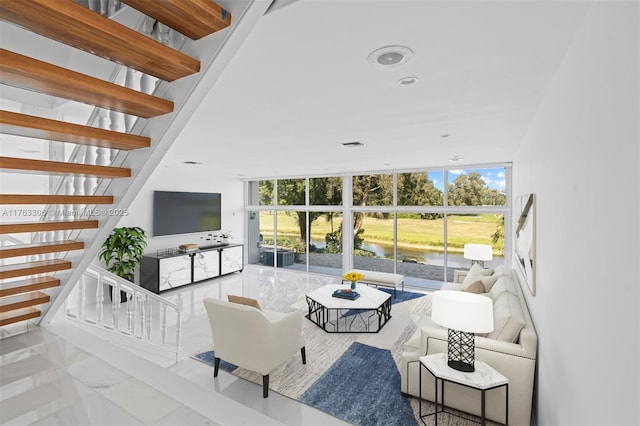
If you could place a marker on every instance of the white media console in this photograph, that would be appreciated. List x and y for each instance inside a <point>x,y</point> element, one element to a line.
<point>160,273</point>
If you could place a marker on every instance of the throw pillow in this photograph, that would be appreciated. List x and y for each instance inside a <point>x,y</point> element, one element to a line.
<point>507,318</point>
<point>476,269</point>
<point>500,270</point>
<point>486,281</point>
<point>244,301</point>
<point>477,288</point>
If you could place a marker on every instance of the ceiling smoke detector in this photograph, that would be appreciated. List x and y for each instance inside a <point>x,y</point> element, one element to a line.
<point>390,56</point>
<point>352,144</point>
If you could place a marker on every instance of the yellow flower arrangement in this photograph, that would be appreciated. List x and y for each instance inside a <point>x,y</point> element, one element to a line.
<point>353,276</point>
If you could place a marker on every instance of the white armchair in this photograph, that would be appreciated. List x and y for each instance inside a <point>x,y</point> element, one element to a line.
<point>253,339</point>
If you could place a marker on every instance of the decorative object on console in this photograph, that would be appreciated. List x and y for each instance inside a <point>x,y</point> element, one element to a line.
<point>525,238</point>
<point>122,251</point>
<point>225,235</point>
<point>188,248</point>
<point>354,277</point>
<point>464,314</point>
<point>478,253</point>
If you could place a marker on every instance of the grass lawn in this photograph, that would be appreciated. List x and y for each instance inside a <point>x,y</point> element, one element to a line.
<point>412,233</point>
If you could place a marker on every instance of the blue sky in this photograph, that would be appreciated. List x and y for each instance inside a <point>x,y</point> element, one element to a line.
<point>495,178</point>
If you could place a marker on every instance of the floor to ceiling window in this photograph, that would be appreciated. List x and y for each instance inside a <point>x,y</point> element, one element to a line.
<point>414,223</point>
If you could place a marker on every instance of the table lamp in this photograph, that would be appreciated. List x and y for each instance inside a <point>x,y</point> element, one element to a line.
<point>464,314</point>
<point>478,253</point>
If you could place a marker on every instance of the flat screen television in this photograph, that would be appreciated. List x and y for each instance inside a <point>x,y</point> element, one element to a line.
<point>185,212</point>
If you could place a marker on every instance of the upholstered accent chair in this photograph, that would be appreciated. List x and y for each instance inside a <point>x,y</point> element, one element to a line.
<point>254,339</point>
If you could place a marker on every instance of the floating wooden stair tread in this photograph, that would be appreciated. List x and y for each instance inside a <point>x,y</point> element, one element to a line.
<point>30,74</point>
<point>54,199</point>
<point>13,123</point>
<point>18,315</point>
<point>31,268</point>
<point>194,18</point>
<point>39,248</point>
<point>77,26</point>
<point>32,284</point>
<point>16,228</point>
<point>25,165</point>
<point>23,300</point>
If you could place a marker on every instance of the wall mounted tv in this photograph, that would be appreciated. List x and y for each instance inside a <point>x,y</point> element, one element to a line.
<point>185,212</point>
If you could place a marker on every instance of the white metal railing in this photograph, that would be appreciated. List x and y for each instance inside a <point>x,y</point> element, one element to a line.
<point>144,316</point>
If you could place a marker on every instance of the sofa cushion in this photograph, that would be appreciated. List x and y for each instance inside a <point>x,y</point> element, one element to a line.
<point>507,318</point>
<point>451,286</point>
<point>413,344</point>
<point>487,281</point>
<point>244,301</point>
<point>476,287</point>
<point>503,283</point>
<point>476,269</point>
<point>500,270</point>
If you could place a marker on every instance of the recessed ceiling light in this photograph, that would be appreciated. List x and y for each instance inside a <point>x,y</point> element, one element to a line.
<point>455,158</point>
<point>192,162</point>
<point>352,144</point>
<point>390,56</point>
<point>30,151</point>
<point>408,81</point>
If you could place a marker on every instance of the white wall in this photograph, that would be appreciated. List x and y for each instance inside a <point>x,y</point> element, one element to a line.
<point>581,158</point>
<point>199,179</point>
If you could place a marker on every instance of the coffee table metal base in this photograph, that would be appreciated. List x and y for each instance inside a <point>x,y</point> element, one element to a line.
<point>343,320</point>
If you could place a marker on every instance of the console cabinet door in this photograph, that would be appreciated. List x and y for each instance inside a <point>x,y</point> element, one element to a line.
<point>232,258</point>
<point>174,272</point>
<point>206,264</point>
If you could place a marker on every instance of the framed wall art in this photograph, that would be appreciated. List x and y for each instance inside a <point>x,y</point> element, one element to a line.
<point>525,238</point>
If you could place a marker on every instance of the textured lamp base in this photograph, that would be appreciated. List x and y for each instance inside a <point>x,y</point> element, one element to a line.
<point>461,350</point>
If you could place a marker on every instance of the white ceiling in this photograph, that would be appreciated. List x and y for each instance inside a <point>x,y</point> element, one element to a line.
<point>301,85</point>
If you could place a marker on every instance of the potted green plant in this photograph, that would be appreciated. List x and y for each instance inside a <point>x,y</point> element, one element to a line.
<point>122,251</point>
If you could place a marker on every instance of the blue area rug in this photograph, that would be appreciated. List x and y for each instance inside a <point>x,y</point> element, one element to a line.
<point>401,296</point>
<point>362,387</point>
<point>209,357</point>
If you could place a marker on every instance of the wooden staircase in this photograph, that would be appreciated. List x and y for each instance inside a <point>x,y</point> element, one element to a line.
<point>28,281</point>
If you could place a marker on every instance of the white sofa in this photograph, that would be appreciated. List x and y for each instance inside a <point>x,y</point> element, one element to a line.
<point>510,352</point>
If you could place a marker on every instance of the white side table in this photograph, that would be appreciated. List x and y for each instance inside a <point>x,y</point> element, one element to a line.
<point>483,379</point>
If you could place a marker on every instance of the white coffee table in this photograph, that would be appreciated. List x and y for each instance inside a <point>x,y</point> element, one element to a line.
<point>367,314</point>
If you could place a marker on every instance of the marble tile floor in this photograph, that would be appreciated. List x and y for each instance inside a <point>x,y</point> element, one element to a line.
<point>61,374</point>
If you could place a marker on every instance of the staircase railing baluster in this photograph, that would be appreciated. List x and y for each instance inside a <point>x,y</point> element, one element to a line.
<point>139,309</point>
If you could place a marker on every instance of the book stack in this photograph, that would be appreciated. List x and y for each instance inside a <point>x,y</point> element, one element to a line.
<point>188,248</point>
<point>346,294</point>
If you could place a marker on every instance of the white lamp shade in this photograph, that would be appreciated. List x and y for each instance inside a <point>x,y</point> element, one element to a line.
<point>459,310</point>
<point>478,252</point>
